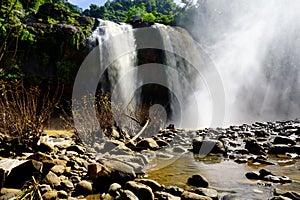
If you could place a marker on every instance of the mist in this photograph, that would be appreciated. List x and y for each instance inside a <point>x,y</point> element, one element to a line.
<point>255,47</point>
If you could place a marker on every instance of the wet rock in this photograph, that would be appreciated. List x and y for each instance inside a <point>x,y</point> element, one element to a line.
<point>45,147</point>
<point>52,179</point>
<point>288,194</point>
<point>271,178</point>
<point>76,148</point>
<point>262,161</point>
<point>265,172</point>
<point>261,133</point>
<point>17,177</point>
<point>286,162</point>
<point>120,170</point>
<point>44,188</point>
<point>93,170</point>
<point>174,190</point>
<point>209,146</point>
<point>207,192</point>
<point>283,140</point>
<point>39,156</point>
<point>161,143</point>
<point>8,193</point>
<point>127,195</point>
<point>179,149</point>
<point>114,189</point>
<point>296,149</point>
<point>252,175</point>
<point>62,194</point>
<point>254,147</point>
<point>165,196</point>
<point>140,190</point>
<point>147,143</point>
<point>58,169</point>
<point>113,172</point>
<point>280,198</point>
<point>84,188</point>
<point>241,160</point>
<point>279,149</point>
<point>67,185</point>
<point>198,181</point>
<point>155,186</point>
<point>193,196</point>
<point>285,179</point>
<point>50,195</point>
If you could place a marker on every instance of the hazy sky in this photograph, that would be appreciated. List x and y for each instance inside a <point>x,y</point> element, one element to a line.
<point>84,4</point>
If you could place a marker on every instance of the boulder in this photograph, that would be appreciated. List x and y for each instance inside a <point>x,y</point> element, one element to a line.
<point>254,147</point>
<point>76,148</point>
<point>58,169</point>
<point>62,194</point>
<point>50,195</point>
<point>288,194</point>
<point>280,149</point>
<point>207,192</point>
<point>252,175</point>
<point>45,147</point>
<point>207,146</point>
<point>166,196</point>
<point>127,195</point>
<point>113,172</point>
<point>8,193</point>
<point>174,190</point>
<point>140,190</point>
<point>17,177</point>
<point>155,186</point>
<point>147,143</point>
<point>198,181</point>
<point>67,185</point>
<point>193,196</point>
<point>44,188</point>
<point>39,156</point>
<point>283,140</point>
<point>84,188</point>
<point>52,179</point>
<point>114,189</point>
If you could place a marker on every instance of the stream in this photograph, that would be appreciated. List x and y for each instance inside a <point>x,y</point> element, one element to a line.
<point>224,175</point>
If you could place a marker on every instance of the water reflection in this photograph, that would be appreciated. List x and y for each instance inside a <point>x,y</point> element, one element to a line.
<point>225,175</point>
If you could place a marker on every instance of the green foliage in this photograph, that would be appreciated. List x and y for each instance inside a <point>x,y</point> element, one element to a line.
<point>63,71</point>
<point>149,17</point>
<point>10,73</point>
<point>71,20</point>
<point>71,7</point>
<point>162,11</point>
<point>25,35</point>
<point>50,20</point>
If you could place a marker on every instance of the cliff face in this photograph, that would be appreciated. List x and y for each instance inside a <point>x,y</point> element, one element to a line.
<point>51,44</point>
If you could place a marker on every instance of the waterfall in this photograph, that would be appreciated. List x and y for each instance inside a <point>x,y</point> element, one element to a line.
<point>184,63</point>
<point>186,68</point>
<point>117,50</point>
<point>248,51</point>
<point>255,46</point>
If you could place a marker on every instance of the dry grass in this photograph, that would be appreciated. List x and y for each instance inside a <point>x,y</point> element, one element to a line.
<point>25,110</point>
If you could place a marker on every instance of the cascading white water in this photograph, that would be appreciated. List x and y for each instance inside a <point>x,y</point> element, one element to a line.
<point>184,60</point>
<point>255,46</point>
<point>117,39</point>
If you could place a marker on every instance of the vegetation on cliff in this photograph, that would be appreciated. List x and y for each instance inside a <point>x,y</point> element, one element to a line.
<point>42,38</point>
<point>161,11</point>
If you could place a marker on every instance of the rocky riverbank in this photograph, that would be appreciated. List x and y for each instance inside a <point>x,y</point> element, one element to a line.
<point>117,168</point>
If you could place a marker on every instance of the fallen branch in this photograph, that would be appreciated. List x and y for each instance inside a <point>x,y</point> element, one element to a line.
<point>141,132</point>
